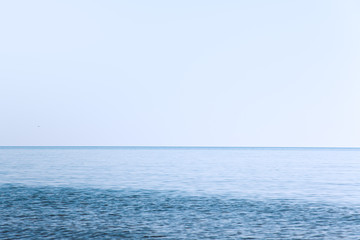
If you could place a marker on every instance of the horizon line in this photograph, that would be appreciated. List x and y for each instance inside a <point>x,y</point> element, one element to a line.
<point>148,146</point>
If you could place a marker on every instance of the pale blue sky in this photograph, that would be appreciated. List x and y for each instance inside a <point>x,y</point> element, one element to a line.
<point>194,73</point>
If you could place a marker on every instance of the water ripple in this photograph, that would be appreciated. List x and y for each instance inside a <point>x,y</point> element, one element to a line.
<point>71,213</point>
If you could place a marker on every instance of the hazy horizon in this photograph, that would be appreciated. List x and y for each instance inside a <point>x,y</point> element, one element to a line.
<point>174,147</point>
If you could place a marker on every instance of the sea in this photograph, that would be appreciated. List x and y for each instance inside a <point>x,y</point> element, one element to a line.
<point>179,193</point>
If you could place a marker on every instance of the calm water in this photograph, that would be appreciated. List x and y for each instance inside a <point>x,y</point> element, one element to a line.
<point>179,193</point>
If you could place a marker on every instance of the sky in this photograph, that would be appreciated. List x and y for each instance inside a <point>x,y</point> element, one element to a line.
<point>180,73</point>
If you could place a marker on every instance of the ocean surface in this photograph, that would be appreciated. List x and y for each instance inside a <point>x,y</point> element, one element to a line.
<point>179,193</point>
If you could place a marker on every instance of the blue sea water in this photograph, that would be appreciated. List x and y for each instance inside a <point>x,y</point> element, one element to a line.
<point>179,193</point>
